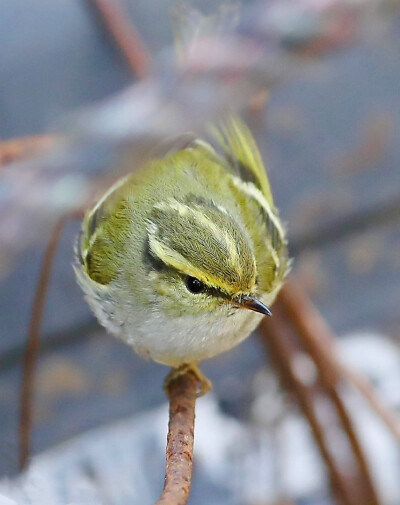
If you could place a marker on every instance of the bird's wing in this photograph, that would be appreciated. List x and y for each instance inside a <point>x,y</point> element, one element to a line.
<point>93,245</point>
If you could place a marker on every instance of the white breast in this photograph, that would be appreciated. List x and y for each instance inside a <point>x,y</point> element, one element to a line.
<point>169,340</point>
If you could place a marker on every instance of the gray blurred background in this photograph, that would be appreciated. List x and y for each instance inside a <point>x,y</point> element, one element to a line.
<point>331,138</point>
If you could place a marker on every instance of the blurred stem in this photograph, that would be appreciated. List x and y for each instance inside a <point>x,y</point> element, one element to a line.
<point>310,334</point>
<point>279,346</point>
<point>125,36</point>
<point>316,332</point>
<point>20,148</point>
<point>32,346</point>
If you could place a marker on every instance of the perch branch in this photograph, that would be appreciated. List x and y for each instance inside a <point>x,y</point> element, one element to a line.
<point>182,392</point>
<point>125,37</point>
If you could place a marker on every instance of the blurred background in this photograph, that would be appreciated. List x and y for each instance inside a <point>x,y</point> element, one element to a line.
<point>330,135</point>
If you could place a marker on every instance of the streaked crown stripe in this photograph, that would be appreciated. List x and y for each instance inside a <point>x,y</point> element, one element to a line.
<point>203,220</point>
<point>175,260</point>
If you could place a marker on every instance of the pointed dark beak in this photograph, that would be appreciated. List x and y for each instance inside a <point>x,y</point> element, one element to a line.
<point>249,302</point>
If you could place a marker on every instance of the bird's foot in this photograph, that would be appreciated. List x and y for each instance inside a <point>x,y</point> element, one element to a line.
<point>205,385</point>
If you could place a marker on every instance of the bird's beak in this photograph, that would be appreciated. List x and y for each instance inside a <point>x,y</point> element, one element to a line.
<point>251,303</point>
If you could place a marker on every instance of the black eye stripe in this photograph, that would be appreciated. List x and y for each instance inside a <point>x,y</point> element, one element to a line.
<point>194,285</point>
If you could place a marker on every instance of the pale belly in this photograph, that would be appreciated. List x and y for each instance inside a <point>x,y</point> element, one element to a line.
<point>188,339</point>
<point>172,341</point>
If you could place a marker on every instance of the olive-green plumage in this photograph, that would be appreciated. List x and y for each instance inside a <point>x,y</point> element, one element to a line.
<point>199,213</point>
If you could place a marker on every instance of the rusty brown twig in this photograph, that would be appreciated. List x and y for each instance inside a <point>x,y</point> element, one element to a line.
<point>32,346</point>
<point>15,150</point>
<point>278,345</point>
<point>182,392</point>
<point>308,333</point>
<point>24,147</point>
<point>296,315</point>
<point>125,36</point>
<point>311,325</point>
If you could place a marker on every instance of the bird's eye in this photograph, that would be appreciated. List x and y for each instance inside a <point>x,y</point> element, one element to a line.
<point>194,285</point>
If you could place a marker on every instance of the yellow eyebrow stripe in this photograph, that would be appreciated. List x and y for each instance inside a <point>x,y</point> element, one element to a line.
<point>175,260</point>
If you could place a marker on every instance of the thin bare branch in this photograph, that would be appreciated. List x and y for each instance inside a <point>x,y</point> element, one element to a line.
<point>125,36</point>
<point>21,148</point>
<point>182,393</point>
<point>32,346</point>
<point>363,484</point>
<point>308,329</point>
<point>311,324</point>
<point>279,346</point>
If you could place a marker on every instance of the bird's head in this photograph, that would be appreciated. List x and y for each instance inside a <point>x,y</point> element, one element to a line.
<point>200,259</point>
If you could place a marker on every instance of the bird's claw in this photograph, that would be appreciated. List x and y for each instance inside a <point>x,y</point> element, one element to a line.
<point>205,385</point>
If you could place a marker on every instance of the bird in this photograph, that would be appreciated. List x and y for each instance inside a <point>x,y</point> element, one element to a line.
<point>182,257</point>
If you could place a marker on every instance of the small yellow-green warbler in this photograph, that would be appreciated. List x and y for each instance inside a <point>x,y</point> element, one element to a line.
<point>182,258</point>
